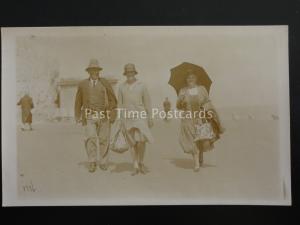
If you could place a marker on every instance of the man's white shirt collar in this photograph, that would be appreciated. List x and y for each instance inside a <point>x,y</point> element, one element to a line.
<point>92,82</point>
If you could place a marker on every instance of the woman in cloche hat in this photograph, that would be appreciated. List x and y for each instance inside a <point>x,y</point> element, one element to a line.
<point>133,96</point>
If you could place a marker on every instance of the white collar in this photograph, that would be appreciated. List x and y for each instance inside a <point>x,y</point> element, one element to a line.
<point>91,81</point>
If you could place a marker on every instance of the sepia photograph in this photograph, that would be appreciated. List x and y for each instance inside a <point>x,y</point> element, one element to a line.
<point>145,115</point>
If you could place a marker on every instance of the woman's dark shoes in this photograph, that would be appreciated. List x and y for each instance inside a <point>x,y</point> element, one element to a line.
<point>135,172</point>
<point>92,167</point>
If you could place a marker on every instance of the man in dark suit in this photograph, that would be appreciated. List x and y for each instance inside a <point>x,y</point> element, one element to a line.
<point>95,106</point>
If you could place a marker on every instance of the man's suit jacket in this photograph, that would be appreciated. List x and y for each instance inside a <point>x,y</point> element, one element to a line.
<point>81,100</point>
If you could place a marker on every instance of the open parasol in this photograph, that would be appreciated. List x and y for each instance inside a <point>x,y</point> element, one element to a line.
<point>180,73</point>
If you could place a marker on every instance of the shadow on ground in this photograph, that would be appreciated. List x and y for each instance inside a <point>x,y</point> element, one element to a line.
<point>121,167</point>
<point>115,167</point>
<point>186,163</point>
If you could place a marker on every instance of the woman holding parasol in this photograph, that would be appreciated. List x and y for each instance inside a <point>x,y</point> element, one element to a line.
<point>199,132</point>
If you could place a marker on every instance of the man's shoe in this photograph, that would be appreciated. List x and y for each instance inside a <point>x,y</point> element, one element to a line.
<point>92,167</point>
<point>103,167</point>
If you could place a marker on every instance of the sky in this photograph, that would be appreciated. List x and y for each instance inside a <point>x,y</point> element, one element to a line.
<point>245,64</point>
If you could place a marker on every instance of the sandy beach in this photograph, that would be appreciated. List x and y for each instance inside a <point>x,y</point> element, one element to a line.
<point>243,167</point>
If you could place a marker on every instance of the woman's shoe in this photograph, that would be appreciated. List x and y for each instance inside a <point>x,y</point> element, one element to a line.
<point>197,169</point>
<point>142,168</point>
<point>135,172</point>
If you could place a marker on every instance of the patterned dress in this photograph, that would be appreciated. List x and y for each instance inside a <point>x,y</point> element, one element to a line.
<point>190,101</point>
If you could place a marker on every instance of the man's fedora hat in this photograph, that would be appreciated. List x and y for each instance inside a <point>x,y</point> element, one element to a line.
<point>129,69</point>
<point>94,64</point>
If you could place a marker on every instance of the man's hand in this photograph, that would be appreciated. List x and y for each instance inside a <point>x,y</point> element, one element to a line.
<point>112,120</point>
<point>78,120</point>
<point>112,115</point>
